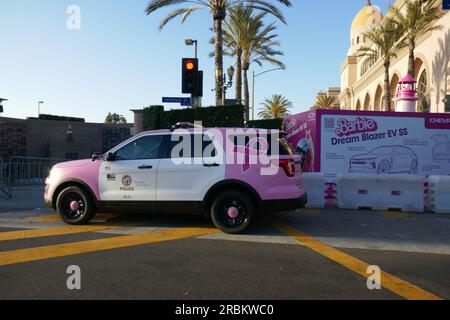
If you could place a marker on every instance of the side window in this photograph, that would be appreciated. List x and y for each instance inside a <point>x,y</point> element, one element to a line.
<point>397,152</point>
<point>147,147</point>
<point>184,147</point>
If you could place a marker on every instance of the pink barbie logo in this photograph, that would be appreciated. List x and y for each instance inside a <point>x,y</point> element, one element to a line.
<point>290,124</point>
<point>359,125</point>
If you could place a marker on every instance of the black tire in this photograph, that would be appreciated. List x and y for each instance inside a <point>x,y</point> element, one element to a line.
<point>84,214</point>
<point>219,212</point>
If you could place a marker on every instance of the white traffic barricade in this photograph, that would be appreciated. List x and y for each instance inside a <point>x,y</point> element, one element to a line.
<point>314,184</point>
<point>381,192</point>
<point>439,194</point>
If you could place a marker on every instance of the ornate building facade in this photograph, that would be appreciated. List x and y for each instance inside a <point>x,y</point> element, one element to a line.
<point>362,78</point>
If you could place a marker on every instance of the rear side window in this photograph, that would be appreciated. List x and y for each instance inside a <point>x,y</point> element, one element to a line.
<point>284,149</point>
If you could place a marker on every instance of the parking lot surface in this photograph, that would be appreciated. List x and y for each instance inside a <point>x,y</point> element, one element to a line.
<point>308,254</point>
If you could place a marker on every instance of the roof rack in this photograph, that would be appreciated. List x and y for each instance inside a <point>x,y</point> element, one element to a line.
<point>185,125</point>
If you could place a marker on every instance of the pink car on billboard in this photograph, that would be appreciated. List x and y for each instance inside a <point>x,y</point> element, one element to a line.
<point>225,174</point>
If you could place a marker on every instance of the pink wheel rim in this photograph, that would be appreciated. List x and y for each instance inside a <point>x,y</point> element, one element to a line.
<point>74,206</point>
<point>233,212</point>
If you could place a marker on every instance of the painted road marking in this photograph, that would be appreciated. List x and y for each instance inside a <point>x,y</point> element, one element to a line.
<point>395,214</point>
<point>391,282</point>
<point>99,217</point>
<point>74,248</point>
<point>27,234</point>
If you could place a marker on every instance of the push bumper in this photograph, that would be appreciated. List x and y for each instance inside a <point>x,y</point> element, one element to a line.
<point>283,205</point>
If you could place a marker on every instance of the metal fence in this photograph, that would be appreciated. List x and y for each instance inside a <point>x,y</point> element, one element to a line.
<point>26,171</point>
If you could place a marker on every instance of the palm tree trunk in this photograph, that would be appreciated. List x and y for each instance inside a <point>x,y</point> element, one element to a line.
<point>239,76</point>
<point>411,59</point>
<point>387,87</point>
<point>218,60</point>
<point>246,96</point>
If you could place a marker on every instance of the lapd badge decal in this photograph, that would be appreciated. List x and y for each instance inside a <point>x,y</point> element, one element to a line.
<point>127,181</point>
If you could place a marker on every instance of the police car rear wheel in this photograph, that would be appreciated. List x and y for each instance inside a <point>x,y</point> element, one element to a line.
<point>75,206</point>
<point>232,212</point>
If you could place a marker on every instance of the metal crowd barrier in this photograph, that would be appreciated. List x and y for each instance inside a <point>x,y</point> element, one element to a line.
<point>27,171</point>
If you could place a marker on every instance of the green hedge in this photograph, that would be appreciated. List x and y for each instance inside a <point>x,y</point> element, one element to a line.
<point>152,117</point>
<point>266,124</point>
<point>212,117</point>
<point>227,116</point>
<point>57,118</point>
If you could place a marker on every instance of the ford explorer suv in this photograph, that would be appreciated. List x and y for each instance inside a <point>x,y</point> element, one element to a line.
<point>229,175</point>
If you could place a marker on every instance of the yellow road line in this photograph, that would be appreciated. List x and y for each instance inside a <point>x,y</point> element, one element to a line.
<point>99,217</point>
<point>26,234</point>
<point>395,214</point>
<point>61,250</point>
<point>391,282</point>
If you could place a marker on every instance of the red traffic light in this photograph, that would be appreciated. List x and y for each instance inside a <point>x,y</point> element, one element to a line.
<point>189,65</point>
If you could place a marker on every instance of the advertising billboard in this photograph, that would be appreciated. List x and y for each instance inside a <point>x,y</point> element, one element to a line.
<point>371,142</point>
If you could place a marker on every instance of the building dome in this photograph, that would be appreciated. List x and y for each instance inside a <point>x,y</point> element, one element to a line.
<point>367,18</point>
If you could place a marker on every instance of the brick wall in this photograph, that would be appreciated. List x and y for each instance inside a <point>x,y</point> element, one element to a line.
<point>48,139</point>
<point>13,138</point>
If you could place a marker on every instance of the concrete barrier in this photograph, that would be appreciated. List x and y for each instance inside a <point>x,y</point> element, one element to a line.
<point>439,194</point>
<point>314,184</point>
<point>380,192</point>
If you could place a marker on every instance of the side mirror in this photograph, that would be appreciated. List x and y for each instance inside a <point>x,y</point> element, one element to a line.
<point>96,155</point>
<point>110,156</point>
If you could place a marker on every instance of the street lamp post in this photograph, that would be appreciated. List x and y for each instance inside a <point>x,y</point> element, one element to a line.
<point>253,91</point>
<point>1,107</point>
<point>228,85</point>
<point>39,108</point>
<point>190,42</point>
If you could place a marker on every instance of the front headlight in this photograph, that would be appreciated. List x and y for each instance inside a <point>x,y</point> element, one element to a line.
<point>50,172</point>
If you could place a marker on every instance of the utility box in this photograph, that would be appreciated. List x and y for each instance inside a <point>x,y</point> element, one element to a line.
<point>370,142</point>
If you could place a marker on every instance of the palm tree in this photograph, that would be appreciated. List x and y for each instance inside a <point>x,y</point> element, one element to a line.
<point>260,49</point>
<point>386,43</point>
<point>239,29</point>
<point>275,107</point>
<point>415,19</point>
<point>218,9</point>
<point>324,102</point>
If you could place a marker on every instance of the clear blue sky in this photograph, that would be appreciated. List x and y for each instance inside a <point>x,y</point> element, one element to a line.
<point>120,61</point>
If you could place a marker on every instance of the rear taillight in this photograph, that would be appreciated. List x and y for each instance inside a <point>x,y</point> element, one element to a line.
<point>288,166</point>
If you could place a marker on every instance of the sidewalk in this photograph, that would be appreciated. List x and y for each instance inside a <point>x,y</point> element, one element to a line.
<point>23,199</point>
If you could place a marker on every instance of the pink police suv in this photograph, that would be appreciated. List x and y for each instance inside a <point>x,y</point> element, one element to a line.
<point>230,175</point>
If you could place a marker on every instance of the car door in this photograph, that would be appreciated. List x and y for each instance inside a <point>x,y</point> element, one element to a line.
<point>186,175</point>
<point>402,160</point>
<point>131,175</point>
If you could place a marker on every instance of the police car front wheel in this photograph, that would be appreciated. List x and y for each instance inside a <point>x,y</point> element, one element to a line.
<point>75,206</point>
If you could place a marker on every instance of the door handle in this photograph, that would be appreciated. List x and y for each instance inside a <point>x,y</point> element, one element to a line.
<point>143,167</point>
<point>211,165</point>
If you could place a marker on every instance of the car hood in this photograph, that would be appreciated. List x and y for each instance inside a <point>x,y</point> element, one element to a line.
<point>75,164</point>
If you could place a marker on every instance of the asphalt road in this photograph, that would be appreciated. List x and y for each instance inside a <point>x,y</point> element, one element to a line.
<point>311,254</point>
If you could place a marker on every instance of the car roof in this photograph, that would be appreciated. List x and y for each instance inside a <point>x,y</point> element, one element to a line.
<point>194,130</point>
